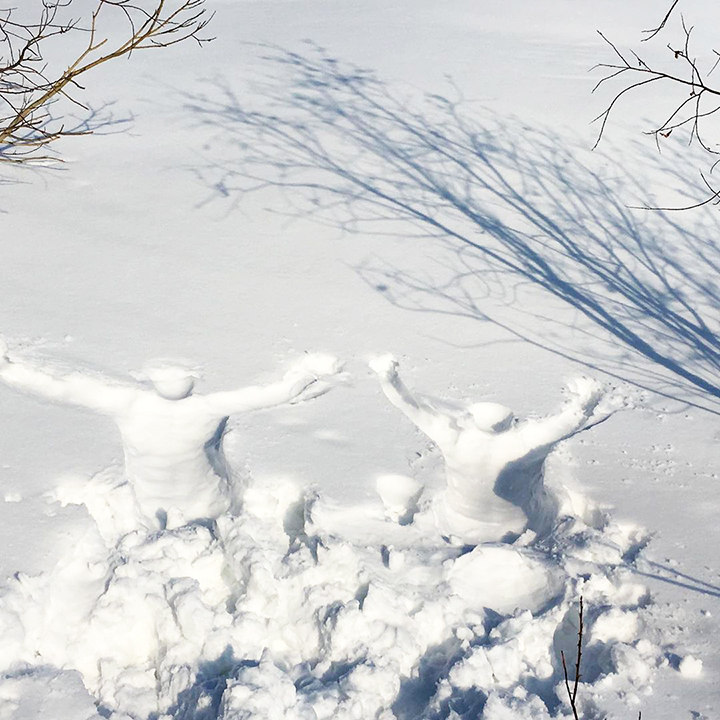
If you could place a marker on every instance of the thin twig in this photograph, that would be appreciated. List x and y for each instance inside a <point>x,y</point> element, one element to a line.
<point>655,31</point>
<point>579,654</point>
<point>572,694</point>
<point>567,686</point>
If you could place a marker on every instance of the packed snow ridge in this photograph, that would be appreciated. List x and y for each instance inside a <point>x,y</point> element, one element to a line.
<point>195,595</point>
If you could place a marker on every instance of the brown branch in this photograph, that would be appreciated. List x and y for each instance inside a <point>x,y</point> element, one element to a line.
<point>572,694</point>
<point>579,654</point>
<point>567,687</point>
<point>28,88</point>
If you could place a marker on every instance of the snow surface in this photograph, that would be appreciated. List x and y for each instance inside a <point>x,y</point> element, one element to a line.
<point>417,179</point>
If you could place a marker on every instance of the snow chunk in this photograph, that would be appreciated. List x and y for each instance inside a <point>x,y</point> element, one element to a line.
<point>690,667</point>
<point>321,364</point>
<point>504,579</point>
<point>615,625</point>
<point>263,691</point>
<point>399,494</point>
<point>501,707</point>
<point>45,693</point>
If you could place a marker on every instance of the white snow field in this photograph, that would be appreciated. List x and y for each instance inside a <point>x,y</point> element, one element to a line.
<point>336,179</point>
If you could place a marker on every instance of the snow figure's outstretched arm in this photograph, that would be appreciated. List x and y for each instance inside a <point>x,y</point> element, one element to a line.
<point>434,424</point>
<point>291,388</point>
<point>585,394</point>
<point>74,388</point>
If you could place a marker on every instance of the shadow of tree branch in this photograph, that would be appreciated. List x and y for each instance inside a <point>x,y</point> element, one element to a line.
<point>507,204</point>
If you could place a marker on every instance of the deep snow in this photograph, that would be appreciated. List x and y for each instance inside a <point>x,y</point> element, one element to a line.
<point>280,613</point>
<point>215,227</point>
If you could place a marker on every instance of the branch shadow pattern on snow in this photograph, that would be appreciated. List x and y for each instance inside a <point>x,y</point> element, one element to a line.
<point>509,207</point>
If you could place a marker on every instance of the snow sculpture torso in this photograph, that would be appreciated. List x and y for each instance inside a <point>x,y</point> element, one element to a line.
<point>472,506</point>
<point>173,456</point>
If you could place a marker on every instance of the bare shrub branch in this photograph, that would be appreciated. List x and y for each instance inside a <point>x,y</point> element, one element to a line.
<point>654,31</point>
<point>696,100</point>
<point>572,695</point>
<point>29,86</point>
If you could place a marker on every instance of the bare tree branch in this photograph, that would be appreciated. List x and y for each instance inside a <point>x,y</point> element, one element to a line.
<point>688,111</point>
<point>29,88</point>
<point>652,33</point>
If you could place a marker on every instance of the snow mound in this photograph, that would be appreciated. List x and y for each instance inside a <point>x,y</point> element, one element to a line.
<point>691,667</point>
<point>506,579</point>
<point>281,612</point>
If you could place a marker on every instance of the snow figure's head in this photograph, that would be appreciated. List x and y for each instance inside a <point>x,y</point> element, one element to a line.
<point>490,417</point>
<point>171,381</point>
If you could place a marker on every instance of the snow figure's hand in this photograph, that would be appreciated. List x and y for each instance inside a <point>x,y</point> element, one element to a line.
<point>385,366</point>
<point>310,376</point>
<point>613,401</point>
<point>4,360</point>
<point>586,392</point>
<point>319,364</point>
<point>314,389</point>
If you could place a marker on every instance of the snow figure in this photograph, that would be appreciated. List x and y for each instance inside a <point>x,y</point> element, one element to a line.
<point>172,439</point>
<point>494,467</point>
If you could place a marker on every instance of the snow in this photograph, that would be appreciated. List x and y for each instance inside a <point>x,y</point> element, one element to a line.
<point>399,494</point>
<point>292,617</point>
<point>690,667</point>
<point>264,210</point>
